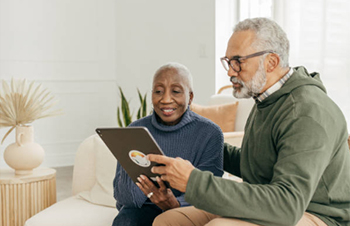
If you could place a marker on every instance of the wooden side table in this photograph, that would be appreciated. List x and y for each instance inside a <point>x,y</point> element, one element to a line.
<point>22,196</point>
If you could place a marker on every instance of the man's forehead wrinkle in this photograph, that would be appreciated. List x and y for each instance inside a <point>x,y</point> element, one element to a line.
<point>240,43</point>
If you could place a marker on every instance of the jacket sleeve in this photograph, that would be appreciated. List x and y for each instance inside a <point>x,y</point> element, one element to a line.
<point>232,158</point>
<point>301,161</point>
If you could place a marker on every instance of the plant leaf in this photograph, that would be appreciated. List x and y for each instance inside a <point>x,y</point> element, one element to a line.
<point>28,93</point>
<point>22,104</point>
<point>126,113</point>
<point>144,106</point>
<point>125,109</point>
<point>5,109</point>
<point>140,96</point>
<point>138,113</point>
<point>8,132</point>
<point>120,123</point>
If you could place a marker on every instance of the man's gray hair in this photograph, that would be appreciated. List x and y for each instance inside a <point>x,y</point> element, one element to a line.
<point>181,70</point>
<point>269,36</point>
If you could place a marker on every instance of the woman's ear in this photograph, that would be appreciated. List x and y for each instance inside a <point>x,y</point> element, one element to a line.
<point>191,98</point>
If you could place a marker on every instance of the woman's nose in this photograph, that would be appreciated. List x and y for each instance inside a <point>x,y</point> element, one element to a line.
<point>166,97</point>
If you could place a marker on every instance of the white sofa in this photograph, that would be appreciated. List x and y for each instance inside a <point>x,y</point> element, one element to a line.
<point>92,203</point>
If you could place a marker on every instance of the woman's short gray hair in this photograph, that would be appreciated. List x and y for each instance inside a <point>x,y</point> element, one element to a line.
<point>269,36</point>
<point>181,70</point>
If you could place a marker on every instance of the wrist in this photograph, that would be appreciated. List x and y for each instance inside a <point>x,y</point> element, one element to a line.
<point>173,203</point>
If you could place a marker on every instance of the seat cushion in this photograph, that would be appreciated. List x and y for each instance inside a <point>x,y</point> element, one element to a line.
<point>73,212</point>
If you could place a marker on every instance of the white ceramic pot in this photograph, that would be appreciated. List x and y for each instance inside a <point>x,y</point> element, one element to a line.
<point>24,155</point>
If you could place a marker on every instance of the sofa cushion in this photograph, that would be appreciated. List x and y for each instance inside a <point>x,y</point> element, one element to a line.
<point>105,165</point>
<point>84,177</point>
<point>243,109</point>
<point>234,138</point>
<point>223,115</point>
<point>72,212</point>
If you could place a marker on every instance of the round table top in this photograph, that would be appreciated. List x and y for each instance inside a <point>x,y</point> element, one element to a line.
<point>8,176</point>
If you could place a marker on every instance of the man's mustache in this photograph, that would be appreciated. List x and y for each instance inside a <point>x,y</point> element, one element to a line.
<point>236,80</point>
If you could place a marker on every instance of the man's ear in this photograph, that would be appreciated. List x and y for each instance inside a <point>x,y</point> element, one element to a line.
<point>191,98</point>
<point>273,60</point>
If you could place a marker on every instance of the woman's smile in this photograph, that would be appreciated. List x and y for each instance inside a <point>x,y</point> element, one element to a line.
<point>168,111</point>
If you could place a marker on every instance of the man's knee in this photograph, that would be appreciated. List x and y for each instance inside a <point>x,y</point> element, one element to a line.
<point>160,220</point>
<point>214,222</point>
<point>170,217</point>
<point>229,222</point>
<point>309,219</point>
<point>189,216</point>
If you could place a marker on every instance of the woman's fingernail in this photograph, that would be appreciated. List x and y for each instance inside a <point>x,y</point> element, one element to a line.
<point>143,177</point>
<point>139,179</point>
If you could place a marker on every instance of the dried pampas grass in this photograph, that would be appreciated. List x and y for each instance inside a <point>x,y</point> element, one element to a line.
<point>21,104</point>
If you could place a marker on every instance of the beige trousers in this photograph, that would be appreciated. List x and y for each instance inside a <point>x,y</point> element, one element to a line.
<point>191,216</point>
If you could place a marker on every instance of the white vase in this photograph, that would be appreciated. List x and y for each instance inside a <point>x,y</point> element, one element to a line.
<point>24,155</point>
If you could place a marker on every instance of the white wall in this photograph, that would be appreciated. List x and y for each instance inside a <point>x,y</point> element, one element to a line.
<point>69,47</point>
<point>83,49</point>
<point>226,18</point>
<point>151,33</point>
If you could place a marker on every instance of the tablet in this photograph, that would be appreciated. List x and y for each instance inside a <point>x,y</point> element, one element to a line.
<point>130,146</point>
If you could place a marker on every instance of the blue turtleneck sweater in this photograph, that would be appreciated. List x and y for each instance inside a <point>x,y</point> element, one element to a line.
<point>194,138</point>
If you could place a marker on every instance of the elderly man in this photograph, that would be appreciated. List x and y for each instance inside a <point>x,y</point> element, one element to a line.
<point>294,159</point>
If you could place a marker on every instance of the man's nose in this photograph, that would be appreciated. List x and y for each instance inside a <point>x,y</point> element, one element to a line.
<point>232,72</point>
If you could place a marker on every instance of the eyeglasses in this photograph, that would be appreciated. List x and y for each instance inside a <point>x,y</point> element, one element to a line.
<point>235,62</point>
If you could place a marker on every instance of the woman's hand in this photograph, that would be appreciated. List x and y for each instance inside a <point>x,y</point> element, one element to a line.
<point>163,197</point>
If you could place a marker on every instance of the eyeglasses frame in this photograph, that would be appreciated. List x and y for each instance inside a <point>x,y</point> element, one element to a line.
<point>239,58</point>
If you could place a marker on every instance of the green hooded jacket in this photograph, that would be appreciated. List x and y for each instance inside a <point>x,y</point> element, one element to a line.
<point>294,158</point>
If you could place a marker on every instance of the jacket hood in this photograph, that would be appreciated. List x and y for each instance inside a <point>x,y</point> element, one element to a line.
<point>300,77</point>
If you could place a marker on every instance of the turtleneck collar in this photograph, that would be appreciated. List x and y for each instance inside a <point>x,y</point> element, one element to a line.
<point>186,118</point>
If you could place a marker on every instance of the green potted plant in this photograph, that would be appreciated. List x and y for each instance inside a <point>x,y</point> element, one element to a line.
<point>124,116</point>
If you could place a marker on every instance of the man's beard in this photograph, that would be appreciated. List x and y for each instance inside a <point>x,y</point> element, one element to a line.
<point>253,86</point>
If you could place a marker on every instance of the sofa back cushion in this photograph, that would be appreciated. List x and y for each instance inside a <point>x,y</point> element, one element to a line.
<point>224,115</point>
<point>243,108</point>
<point>104,167</point>
<point>84,176</point>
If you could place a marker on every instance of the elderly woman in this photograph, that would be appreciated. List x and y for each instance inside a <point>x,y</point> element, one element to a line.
<point>178,131</point>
